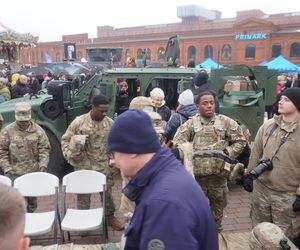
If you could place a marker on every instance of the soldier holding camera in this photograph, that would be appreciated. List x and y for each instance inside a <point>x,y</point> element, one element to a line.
<point>275,165</point>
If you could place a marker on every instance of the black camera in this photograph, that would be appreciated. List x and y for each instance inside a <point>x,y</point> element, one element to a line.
<point>247,181</point>
<point>263,165</point>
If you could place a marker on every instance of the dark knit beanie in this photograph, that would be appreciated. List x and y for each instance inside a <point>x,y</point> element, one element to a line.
<point>133,132</point>
<point>201,78</point>
<point>294,95</point>
<point>99,99</point>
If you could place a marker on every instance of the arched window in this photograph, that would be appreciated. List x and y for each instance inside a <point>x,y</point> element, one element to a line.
<point>226,52</point>
<point>161,53</point>
<point>208,51</point>
<point>58,57</point>
<point>43,58</point>
<point>139,54</point>
<point>250,51</point>
<point>48,58</point>
<point>191,53</point>
<point>276,50</point>
<point>148,54</point>
<point>127,54</point>
<point>295,50</point>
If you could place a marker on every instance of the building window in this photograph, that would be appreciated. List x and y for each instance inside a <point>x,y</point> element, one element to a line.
<point>58,57</point>
<point>127,54</point>
<point>276,50</point>
<point>43,58</point>
<point>191,53</point>
<point>37,57</point>
<point>48,58</point>
<point>208,51</point>
<point>295,50</point>
<point>226,52</point>
<point>250,51</point>
<point>148,54</point>
<point>161,53</point>
<point>32,58</point>
<point>139,54</point>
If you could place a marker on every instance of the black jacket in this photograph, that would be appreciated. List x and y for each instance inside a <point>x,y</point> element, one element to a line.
<point>122,102</point>
<point>164,112</point>
<point>19,90</point>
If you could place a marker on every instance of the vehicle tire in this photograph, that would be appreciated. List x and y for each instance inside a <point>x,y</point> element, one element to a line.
<point>57,164</point>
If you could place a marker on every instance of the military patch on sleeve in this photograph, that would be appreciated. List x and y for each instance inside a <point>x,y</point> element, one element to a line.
<point>155,244</point>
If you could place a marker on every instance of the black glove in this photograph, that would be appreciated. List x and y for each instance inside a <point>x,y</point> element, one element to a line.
<point>247,183</point>
<point>296,204</point>
<point>225,151</point>
<point>176,153</point>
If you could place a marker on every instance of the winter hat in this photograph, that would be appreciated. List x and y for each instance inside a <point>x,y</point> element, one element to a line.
<point>201,78</point>
<point>186,98</point>
<point>133,132</point>
<point>294,95</point>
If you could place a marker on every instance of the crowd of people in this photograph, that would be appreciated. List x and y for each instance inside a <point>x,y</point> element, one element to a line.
<point>170,154</point>
<point>16,84</point>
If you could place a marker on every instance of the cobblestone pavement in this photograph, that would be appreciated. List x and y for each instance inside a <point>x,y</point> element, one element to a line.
<point>236,216</point>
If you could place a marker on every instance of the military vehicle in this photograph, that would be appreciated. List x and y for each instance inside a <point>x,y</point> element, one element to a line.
<point>55,110</point>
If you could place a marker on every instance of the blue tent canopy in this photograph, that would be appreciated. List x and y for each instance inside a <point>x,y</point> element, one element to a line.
<point>282,65</point>
<point>209,63</point>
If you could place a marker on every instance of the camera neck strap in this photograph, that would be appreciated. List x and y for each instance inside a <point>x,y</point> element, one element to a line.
<point>282,140</point>
<point>271,132</point>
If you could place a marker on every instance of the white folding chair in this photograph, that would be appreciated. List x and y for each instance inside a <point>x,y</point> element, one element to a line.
<point>80,220</point>
<point>40,184</point>
<point>5,180</point>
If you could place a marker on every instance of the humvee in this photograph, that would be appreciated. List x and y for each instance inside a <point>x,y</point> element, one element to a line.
<point>56,108</point>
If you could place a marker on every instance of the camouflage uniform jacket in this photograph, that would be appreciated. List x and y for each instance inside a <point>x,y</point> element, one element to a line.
<point>94,155</point>
<point>23,151</point>
<point>1,121</point>
<point>216,134</point>
<point>285,176</point>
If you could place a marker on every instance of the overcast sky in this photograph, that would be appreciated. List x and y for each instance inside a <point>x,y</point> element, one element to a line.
<point>51,19</point>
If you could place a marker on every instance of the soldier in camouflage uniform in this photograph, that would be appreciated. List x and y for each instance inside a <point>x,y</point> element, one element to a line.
<point>276,193</point>
<point>1,121</point>
<point>212,136</point>
<point>24,147</point>
<point>145,104</point>
<point>84,147</point>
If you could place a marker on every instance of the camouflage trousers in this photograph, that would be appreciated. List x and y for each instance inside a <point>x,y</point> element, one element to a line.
<point>215,188</point>
<point>276,207</point>
<point>84,200</point>
<point>31,202</point>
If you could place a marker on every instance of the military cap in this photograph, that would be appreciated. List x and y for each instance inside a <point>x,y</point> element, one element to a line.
<point>23,111</point>
<point>267,236</point>
<point>141,102</point>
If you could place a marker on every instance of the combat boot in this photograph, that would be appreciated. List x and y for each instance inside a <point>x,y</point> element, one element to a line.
<point>115,223</point>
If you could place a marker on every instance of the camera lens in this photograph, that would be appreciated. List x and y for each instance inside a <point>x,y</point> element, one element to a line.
<point>260,168</point>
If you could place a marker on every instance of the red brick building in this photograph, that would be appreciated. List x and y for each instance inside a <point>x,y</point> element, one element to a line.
<point>249,38</point>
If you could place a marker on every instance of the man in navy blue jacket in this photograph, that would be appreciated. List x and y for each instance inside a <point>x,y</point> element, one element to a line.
<point>171,210</point>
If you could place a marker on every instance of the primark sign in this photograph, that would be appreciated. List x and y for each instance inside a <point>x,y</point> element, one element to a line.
<point>255,36</point>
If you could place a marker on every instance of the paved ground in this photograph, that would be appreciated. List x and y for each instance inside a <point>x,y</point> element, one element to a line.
<point>236,217</point>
